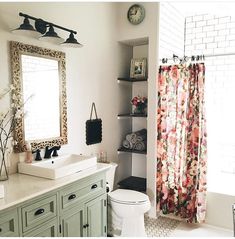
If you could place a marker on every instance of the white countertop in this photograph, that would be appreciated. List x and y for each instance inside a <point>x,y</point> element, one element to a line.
<point>20,187</point>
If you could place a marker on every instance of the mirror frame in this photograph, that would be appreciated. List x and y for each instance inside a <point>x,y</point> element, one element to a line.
<point>16,50</point>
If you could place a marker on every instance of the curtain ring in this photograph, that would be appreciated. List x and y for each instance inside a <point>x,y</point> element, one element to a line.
<point>164,60</point>
<point>175,57</point>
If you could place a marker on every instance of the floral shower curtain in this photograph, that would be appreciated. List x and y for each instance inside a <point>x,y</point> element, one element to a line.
<point>181,144</point>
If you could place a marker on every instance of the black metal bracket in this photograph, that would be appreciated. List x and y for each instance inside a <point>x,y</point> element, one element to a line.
<point>41,25</point>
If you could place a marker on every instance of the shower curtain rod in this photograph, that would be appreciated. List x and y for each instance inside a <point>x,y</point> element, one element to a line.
<point>194,57</point>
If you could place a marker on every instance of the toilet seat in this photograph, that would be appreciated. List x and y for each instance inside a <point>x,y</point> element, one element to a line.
<point>130,197</point>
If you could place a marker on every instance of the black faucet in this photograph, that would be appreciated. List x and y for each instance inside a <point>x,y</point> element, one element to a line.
<point>48,152</point>
<point>38,155</point>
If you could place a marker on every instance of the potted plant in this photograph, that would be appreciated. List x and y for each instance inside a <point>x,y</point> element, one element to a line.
<point>140,104</point>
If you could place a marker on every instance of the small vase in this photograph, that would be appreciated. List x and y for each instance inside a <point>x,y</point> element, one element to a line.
<point>3,170</point>
<point>139,110</point>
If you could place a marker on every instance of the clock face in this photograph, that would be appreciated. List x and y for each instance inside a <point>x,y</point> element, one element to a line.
<point>136,14</point>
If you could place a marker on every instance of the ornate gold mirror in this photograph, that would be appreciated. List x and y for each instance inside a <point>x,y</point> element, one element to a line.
<point>39,78</point>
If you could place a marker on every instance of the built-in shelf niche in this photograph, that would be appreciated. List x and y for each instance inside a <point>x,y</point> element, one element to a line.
<point>130,87</point>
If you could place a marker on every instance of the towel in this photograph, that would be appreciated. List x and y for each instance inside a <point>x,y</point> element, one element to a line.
<point>140,135</point>
<point>127,144</point>
<point>140,145</point>
<point>131,138</point>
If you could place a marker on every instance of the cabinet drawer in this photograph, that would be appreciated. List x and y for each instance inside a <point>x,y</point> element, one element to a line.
<point>9,224</point>
<point>74,194</point>
<point>49,229</point>
<point>38,212</point>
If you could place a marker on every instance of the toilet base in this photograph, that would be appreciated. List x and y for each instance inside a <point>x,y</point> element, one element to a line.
<point>133,227</point>
<point>114,223</point>
<point>128,227</point>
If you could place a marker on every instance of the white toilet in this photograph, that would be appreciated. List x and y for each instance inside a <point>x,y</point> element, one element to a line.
<point>127,209</point>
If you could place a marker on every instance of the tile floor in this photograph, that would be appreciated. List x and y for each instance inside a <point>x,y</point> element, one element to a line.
<point>160,227</point>
<point>165,227</point>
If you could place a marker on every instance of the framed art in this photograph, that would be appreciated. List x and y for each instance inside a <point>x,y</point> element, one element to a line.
<point>138,68</point>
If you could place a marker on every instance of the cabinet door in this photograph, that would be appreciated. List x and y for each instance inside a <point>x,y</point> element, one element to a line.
<point>73,224</point>
<point>48,229</point>
<point>9,224</point>
<point>97,217</point>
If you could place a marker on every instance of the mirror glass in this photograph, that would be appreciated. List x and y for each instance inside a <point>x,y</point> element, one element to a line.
<point>40,81</point>
<point>38,76</point>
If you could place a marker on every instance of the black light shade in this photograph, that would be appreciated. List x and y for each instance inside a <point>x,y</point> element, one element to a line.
<point>42,32</point>
<point>26,29</point>
<point>51,36</point>
<point>71,42</point>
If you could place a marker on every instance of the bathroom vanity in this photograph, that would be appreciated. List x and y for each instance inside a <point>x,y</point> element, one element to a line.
<point>72,206</point>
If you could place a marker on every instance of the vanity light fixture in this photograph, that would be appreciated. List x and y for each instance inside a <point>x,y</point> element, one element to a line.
<point>51,36</point>
<point>71,41</point>
<point>46,30</point>
<point>26,28</point>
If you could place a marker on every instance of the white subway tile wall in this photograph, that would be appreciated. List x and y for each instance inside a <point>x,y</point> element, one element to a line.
<point>216,35</point>
<point>209,35</point>
<point>171,39</point>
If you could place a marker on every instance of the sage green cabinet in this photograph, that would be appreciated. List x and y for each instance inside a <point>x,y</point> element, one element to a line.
<point>9,223</point>
<point>77,209</point>
<point>96,211</point>
<point>48,229</point>
<point>88,220</point>
<point>72,223</point>
<point>81,191</point>
<point>83,208</point>
<point>38,212</point>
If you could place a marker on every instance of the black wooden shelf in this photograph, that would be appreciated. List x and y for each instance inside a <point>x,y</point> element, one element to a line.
<point>122,149</point>
<point>132,115</point>
<point>132,79</point>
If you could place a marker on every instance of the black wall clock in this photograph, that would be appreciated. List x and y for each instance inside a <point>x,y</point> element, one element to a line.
<point>136,14</point>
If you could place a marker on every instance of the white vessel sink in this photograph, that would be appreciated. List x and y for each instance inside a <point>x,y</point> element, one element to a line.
<point>57,167</point>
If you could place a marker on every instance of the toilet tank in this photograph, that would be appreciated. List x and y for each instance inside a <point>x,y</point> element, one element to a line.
<point>110,175</point>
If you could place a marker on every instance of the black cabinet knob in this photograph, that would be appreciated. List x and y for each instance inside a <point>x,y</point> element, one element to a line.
<point>86,225</point>
<point>72,196</point>
<point>39,211</point>
<point>0,229</point>
<point>94,186</point>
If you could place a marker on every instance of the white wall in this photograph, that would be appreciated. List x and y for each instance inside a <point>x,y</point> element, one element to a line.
<point>148,28</point>
<point>91,70</point>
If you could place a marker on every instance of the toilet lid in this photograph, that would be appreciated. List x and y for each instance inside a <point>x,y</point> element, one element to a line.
<point>128,196</point>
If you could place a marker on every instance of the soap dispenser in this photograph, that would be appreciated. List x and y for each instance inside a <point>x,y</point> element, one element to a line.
<point>28,157</point>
